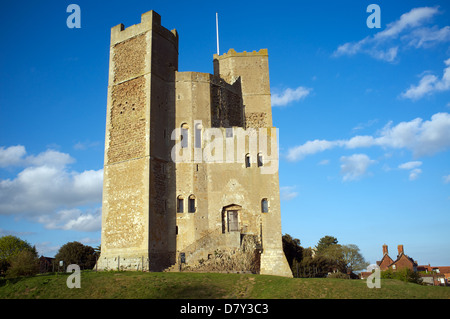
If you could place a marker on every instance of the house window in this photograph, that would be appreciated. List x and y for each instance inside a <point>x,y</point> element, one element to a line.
<point>260,160</point>
<point>191,204</point>
<point>184,135</point>
<point>264,205</point>
<point>247,160</point>
<point>180,204</point>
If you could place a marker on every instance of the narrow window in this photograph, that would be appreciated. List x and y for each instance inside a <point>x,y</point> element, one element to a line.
<point>264,205</point>
<point>260,160</point>
<point>247,160</point>
<point>198,136</point>
<point>180,204</point>
<point>229,132</point>
<point>184,135</point>
<point>191,204</point>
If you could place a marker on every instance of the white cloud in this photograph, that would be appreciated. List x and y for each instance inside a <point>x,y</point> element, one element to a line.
<point>359,141</point>
<point>429,84</point>
<point>411,19</point>
<point>46,190</point>
<point>362,126</point>
<point>289,95</point>
<point>310,147</point>
<point>288,192</point>
<point>15,156</point>
<point>47,249</point>
<point>427,37</point>
<point>414,174</point>
<point>73,219</point>
<point>419,136</point>
<point>410,165</point>
<point>324,162</point>
<point>12,155</point>
<point>413,167</point>
<point>81,146</point>
<point>406,31</point>
<point>355,166</point>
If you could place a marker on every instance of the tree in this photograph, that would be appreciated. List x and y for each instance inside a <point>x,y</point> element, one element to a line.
<point>292,249</point>
<point>352,258</point>
<point>312,266</point>
<point>77,253</point>
<point>11,246</point>
<point>333,254</point>
<point>344,257</point>
<point>98,250</point>
<point>25,263</point>
<point>325,242</point>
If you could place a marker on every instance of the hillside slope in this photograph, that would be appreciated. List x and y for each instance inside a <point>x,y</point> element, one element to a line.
<point>138,285</point>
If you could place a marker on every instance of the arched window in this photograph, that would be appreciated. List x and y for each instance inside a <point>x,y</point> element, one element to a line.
<point>260,160</point>
<point>180,204</point>
<point>247,160</point>
<point>264,205</point>
<point>184,135</point>
<point>191,204</point>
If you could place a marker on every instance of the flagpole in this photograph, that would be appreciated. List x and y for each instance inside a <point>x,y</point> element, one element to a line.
<point>217,32</point>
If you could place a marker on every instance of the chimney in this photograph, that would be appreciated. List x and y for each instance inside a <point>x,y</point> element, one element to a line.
<point>385,250</point>
<point>400,249</point>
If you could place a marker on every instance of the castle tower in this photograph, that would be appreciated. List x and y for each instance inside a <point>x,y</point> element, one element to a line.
<point>136,229</point>
<point>159,212</point>
<point>252,69</point>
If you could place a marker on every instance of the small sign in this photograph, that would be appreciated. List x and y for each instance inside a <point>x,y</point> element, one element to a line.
<point>183,258</point>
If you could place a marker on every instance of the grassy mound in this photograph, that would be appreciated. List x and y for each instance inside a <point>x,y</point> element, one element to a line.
<point>138,285</point>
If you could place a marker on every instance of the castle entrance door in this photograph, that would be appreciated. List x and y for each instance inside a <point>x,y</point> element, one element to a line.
<point>230,218</point>
<point>233,223</point>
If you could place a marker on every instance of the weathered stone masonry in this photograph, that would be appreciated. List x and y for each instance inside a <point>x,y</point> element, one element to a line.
<point>156,210</point>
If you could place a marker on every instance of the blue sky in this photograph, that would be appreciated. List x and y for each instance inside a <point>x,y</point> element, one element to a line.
<point>363,115</point>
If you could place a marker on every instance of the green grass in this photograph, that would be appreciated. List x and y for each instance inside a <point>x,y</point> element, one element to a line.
<point>136,285</point>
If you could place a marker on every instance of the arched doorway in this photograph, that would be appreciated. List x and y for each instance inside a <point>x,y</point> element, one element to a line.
<point>230,218</point>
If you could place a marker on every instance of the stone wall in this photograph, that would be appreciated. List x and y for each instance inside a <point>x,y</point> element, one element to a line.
<point>129,58</point>
<point>127,121</point>
<point>135,223</point>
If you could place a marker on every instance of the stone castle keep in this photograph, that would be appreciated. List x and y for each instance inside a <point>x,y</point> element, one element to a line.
<point>162,213</point>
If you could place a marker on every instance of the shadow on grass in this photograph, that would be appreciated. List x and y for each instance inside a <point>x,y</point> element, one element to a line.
<point>6,281</point>
<point>190,290</point>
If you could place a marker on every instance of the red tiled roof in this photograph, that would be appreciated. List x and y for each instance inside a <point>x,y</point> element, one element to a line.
<point>443,269</point>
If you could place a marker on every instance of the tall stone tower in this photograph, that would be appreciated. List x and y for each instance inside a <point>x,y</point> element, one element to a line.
<point>159,211</point>
<point>136,228</point>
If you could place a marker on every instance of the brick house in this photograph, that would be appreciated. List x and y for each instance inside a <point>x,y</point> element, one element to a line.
<point>402,261</point>
<point>46,264</point>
